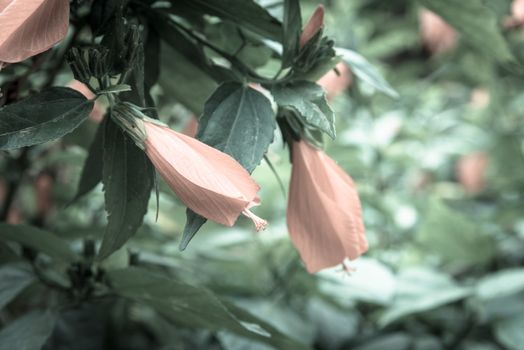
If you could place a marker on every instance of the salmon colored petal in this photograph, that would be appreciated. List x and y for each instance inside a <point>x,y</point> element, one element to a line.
<point>324,214</point>
<point>214,206</point>
<point>4,3</point>
<point>81,88</point>
<point>208,181</point>
<point>313,25</point>
<point>309,227</point>
<point>29,27</point>
<point>228,166</point>
<point>347,193</point>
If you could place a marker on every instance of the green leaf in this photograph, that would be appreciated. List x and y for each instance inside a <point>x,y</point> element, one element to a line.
<point>247,14</point>
<point>39,240</point>
<point>193,223</point>
<point>184,304</point>
<point>239,121</point>
<point>101,14</point>
<point>115,89</point>
<point>190,306</point>
<point>509,332</point>
<point>421,290</point>
<point>42,117</point>
<point>92,171</point>
<point>365,71</point>
<point>29,332</point>
<point>308,101</point>
<point>186,82</point>
<point>276,339</point>
<point>501,284</point>
<point>291,30</point>
<point>457,240</point>
<point>185,46</point>
<point>478,25</point>
<point>15,278</point>
<point>128,178</point>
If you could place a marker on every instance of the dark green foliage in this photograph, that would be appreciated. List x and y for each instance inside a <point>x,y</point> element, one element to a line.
<point>42,117</point>
<point>239,121</point>
<point>128,179</point>
<point>93,165</point>
<point>308,102</point>
<point>444,268</point>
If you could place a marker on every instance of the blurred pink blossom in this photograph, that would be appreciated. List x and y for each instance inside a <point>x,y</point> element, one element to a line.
<point>471,170</point>
<point>438,36</point>
<point>333,83</point>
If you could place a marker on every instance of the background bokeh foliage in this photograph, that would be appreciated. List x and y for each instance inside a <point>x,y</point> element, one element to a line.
<point>440,172</point>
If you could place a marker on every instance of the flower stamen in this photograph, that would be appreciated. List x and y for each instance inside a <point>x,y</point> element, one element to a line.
<point>260,224</point>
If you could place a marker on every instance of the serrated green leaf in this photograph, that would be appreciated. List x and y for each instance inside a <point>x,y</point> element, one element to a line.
<point>478,25</point>
<point>308,101</point>
<point>291,29</point>
<point>365,71</point>
<point>92,171</point>
<point>15,278</point>
<point>28,332</point>
<point>42,117</point>
<point>128,178</point>
<point>239,121</point>
<point>39,240</point>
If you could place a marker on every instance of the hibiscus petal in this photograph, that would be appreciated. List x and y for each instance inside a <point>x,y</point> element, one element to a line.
<point>324,214</point>
<point>227,166</point>
<point>313,25</point>
<point>30,27</point>
<point>346,193</point>
<point>4,3</point>
<point>311,228</point>
<point>208,181</point>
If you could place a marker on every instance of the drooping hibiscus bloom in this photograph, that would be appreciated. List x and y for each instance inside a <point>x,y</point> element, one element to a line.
<point>29,27</point>
<point>324,215</point>
<point>315,23</point>
<point>209,182</point>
